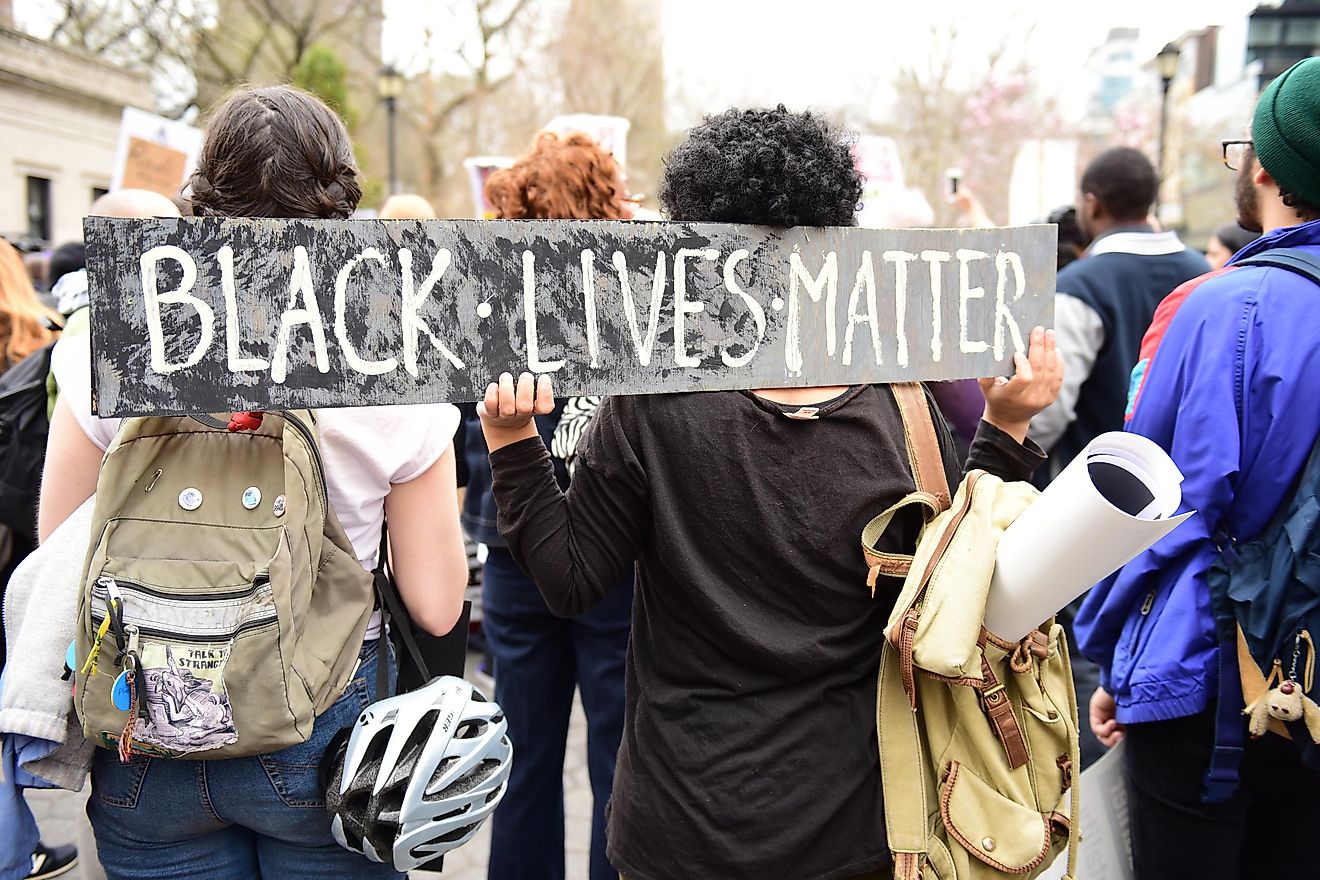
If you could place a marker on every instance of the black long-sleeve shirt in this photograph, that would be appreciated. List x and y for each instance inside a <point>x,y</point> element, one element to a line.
<point>749,746</point>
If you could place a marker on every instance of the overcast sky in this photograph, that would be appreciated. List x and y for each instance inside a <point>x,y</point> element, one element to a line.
<point>839,54</point>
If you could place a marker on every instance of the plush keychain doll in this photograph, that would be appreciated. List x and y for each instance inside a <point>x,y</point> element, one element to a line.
<point>1288,700</point>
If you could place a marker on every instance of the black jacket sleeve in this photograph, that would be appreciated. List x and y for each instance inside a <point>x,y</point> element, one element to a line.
<point>574,546</point>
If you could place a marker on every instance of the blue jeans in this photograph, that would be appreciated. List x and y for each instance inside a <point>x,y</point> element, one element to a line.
<point>539,660</point>
<point>262,816</point>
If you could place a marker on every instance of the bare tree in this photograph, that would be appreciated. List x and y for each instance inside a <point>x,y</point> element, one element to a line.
<point>144,36</point>
<point>265,40</point>
<point>947,113</point>
<point>444,106</point>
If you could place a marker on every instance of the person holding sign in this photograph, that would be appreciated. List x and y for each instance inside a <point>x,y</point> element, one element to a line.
<point>275,152</point>
<point>749,746</point>
<point>540,659</point>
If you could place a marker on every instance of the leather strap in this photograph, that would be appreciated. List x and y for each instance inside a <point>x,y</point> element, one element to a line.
<point>902,770</point>
<point>1000,712</point>
<point>923,446</point>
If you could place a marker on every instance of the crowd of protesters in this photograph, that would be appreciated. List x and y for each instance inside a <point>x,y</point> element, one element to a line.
<point>683,561</point>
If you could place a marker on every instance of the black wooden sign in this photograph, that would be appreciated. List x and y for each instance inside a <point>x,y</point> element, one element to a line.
<point>209,315</point>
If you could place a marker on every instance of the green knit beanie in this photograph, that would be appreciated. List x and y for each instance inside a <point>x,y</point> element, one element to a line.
<point>1286,130</point>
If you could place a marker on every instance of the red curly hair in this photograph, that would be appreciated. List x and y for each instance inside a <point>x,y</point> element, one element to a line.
<point>563,178</point>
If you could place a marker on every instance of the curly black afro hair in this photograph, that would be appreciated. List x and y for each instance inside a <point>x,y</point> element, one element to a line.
<point>769,167</point>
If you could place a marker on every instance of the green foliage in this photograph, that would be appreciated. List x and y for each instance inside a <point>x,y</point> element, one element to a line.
<point>323,73</point>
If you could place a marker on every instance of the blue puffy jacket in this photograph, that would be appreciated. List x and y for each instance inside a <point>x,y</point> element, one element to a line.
<point>1233,395</point>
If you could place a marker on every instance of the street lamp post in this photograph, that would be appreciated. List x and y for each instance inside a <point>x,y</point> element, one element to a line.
<point>1166,64</point>
<point>389,84</point>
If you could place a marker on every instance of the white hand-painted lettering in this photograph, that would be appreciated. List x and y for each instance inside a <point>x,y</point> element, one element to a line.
<point>589,301</point>
<point>630,308</point>
<point>966,292</point>
<point>355,361</point>
<point>753,306</point>
<point>412,305</point>
<point>683,306</point>
<point>1003,261</point>
<point>233,345</point>
<point>827,282</point>
<point>154,299</point>
<point>534,362</point>
<point>300,286</point>
<point>900,259</point>
<point>866,278</point>
<point>934,259</point>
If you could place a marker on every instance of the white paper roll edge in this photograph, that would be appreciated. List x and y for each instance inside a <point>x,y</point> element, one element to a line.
<point>1070,539</point>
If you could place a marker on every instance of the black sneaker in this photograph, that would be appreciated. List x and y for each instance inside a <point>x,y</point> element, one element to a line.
<point>52,861</point>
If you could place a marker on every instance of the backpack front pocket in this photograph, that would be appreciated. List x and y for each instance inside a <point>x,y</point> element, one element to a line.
<point>207,637</point>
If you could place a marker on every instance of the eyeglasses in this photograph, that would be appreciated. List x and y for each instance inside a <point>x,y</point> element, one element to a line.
<point>1235,154</point>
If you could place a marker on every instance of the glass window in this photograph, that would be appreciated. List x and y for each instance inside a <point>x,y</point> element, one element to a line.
<point>38,208</point>
<point>1302,32</point>
<point>1264,32</point>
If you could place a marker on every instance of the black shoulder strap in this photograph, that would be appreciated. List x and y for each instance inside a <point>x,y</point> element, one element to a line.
<point>392,610</point>
<point>1300,260</point>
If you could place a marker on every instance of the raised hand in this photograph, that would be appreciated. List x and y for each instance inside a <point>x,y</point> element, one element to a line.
<point>507,410</point>
<point>1010,403</point>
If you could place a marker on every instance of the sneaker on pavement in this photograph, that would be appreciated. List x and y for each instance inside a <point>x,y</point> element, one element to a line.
<point>52,861</point>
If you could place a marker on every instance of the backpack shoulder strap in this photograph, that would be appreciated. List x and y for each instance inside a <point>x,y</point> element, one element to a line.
<point>927,465</point>
<point>923,446</point>
<point>1299,260</point>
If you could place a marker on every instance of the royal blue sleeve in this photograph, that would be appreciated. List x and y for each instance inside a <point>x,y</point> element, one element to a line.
<point>1191,406</point>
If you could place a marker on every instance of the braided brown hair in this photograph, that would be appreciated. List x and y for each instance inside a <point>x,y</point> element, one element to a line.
<point>275,151</point>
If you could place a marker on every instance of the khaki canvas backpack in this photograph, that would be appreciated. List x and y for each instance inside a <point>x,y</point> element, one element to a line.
<point>222,605</point>
<point>978,736</point>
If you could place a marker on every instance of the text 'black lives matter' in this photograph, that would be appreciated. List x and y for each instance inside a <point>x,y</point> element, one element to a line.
<point>209,315</point>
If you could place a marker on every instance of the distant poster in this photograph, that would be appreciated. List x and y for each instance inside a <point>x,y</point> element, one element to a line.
<point>611,132</point>
<point>155,153</point>
<point>479,169</point>
<point>877,159</point>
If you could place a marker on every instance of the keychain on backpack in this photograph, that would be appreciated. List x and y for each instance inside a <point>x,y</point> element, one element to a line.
<point>126,737</point>
<point>1287,701</point>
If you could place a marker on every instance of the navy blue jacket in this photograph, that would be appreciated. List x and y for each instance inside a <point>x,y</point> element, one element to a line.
<point>1123,278</point>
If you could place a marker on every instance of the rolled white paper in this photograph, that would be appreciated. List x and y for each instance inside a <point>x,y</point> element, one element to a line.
<point>1113,501</point>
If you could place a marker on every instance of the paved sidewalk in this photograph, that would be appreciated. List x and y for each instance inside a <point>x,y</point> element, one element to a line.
<point>62,819</point>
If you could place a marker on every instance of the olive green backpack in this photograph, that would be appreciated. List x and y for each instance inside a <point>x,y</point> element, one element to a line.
<point>222,605</point>
<point>978,736</point>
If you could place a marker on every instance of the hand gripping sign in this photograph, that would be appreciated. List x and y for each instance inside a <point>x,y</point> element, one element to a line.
<point>209,314</point>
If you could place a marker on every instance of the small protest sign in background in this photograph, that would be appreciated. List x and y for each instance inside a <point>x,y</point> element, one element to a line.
<point>154,153</point>
<point>210,314</point>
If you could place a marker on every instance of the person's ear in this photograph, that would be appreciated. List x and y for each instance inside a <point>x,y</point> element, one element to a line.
<point>1091,205</point>
<point>1261,177</point>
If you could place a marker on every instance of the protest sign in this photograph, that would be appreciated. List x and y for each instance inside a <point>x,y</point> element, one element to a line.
<point>611,132</point>
<point>1105,852</point>
<point>154,153</point>
<point>213,314</point>
<point>479,169</point>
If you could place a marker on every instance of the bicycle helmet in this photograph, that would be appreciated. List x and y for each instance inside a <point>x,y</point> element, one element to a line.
<point>417,774</point>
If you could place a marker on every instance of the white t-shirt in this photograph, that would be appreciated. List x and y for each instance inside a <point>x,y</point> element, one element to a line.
<point>365,449</point>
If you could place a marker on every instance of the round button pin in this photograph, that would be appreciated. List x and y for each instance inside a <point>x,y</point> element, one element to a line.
<point>120,695</point>
<point>190,498</point>
<point>278,507</point>
<point>251,497</point>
